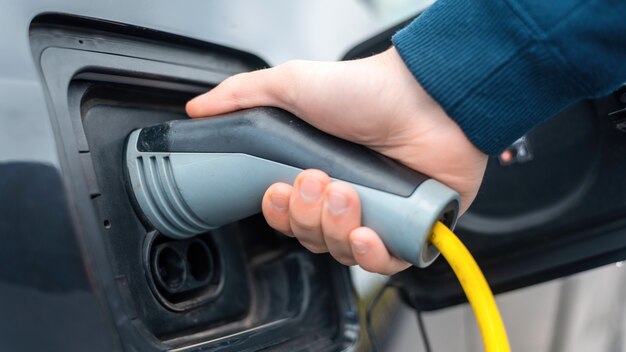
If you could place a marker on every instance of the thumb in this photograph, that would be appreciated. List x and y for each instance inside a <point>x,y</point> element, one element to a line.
<point>245,90</point>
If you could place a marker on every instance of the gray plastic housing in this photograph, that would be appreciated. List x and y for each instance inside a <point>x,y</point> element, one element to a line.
<point>184,194</point>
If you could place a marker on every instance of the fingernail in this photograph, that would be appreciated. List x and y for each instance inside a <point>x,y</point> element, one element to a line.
<point>310,189</point>
<point>337,203</point>
<point>280,202</point>
<point>359,247</point>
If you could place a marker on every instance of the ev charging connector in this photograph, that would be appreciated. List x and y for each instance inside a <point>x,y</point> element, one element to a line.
<point>191,176</point>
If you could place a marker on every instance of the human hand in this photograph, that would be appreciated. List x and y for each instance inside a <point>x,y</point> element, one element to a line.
<point>374,101</point>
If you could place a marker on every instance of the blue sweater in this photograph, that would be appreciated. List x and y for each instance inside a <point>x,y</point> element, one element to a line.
<point>499,67</point>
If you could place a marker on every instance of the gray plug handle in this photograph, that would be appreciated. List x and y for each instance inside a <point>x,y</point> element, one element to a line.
<point>191,176</point>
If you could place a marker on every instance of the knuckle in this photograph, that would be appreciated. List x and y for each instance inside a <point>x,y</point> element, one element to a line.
<point>387,272</point>
<point>374,268</point>
<point>367,268</point>
<point>280,227</point>
<point>286,233</point>
<point>317,250</point>
<point>290,67</point>
<point>336,236</point>
<point>342,254</point>
<point>229,82</point>
<point>233,93</point>
<point>276,221</point>
<point>314,248</point>
<point>347,261</point>
<point>305,223</point>
<point>236,99</point>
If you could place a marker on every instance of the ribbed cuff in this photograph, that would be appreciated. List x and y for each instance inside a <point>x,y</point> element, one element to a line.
<point>481,63</point>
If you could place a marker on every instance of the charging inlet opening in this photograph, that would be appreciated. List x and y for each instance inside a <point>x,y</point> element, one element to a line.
<point>182,274</point>
<point>448,217</point>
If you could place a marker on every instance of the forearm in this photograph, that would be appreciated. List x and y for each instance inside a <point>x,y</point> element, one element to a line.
<point>498,68</point>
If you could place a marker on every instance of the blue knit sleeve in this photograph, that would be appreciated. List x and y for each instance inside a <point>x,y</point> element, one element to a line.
<point>499,67</point>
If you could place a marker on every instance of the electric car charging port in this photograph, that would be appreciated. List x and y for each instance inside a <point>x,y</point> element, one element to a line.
<point>182,273</point>
<point>179,267</point>
<point>237,287</point>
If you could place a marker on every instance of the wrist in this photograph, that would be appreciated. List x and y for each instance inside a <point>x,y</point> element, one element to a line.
<point>433,142</point>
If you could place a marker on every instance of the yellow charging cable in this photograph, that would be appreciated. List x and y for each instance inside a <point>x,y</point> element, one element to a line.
<point>475,286</point>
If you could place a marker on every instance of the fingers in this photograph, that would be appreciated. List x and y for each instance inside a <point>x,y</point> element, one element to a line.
<point>325,216</point>
<point>371,254</point>
<point>306,209</point>
<point>245,90</point>
<point>341,215</point>
<point>275,206</point>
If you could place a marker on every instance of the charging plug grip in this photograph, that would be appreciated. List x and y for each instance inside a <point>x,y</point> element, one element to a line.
<point>189,176</point>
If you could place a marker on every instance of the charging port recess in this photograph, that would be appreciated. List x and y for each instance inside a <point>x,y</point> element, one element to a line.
<point>234,288</point>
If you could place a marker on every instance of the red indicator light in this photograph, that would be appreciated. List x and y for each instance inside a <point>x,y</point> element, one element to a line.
<point>506,157</point>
